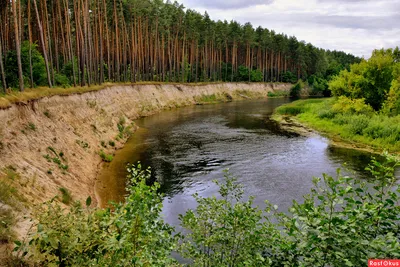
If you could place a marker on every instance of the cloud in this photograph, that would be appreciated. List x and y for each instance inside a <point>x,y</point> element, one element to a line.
<point>226,4</point>
<point>353,26</point>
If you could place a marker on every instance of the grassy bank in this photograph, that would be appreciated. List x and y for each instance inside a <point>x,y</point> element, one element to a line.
<point>350,122</point>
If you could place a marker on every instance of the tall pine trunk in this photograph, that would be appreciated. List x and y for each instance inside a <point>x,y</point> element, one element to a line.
<point>3,75</point>
<point>18,46</point>
<point>43,44</point>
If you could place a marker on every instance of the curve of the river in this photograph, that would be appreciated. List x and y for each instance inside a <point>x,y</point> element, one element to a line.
<point>188,148</point>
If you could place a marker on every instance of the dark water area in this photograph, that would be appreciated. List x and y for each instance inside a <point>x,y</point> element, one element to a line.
<point>189,147</point>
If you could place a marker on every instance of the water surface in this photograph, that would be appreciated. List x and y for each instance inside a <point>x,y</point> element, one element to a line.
<point>188,148</point>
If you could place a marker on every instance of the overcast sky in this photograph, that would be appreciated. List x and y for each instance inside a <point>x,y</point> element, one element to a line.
<point>353,26</point>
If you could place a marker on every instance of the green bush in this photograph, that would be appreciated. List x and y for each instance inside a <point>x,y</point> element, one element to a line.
<point>351,106</point>
<point>127,234</point>
<point>296,89</point>
<point>289,77</point>
<point>66,197</point>
<point>358,123</point>
<point>38,66</point>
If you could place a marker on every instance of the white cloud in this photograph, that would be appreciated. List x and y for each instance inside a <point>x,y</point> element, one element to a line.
<point>354,26</point>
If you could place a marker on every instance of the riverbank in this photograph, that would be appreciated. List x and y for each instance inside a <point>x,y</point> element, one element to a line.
<point>356,129</point>
<point>56,145</point>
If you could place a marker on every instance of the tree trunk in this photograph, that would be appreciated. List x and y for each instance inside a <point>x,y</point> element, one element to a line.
<point>18,46</point>
<point>30,42</point>
<point>3,75</point>
<point>43,44</point>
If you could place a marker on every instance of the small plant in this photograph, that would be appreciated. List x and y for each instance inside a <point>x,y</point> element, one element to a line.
<point>32,126</point>
<point>111,143</point>
<point>106,157</point>
<point>82,144</point>
<point>92,103</point>
<point>7,220</point>
<point>47,113</point>
<point>50,171</point>
<point>103,144</point>
<point>57,159</point>
<point>66,197</point>
<point>11,173</point>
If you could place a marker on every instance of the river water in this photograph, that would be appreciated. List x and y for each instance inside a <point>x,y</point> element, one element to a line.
<point>188,148</point>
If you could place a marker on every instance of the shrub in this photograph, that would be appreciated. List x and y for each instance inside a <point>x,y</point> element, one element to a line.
<point>296,89</point>
<point>357,124</point>
<point>227,231</point>
<point>61,80</point>
<point>38,66</point>
<point>326,114</point>
<point>351,106</point>
<point>105,157</point>
<point>7,221</point>
<point>66,197</point>
<point>127,234</point>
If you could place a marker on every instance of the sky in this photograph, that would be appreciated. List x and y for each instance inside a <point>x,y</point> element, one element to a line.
<point>353,26</point>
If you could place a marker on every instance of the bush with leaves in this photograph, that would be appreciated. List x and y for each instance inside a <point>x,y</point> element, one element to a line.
<point>127,234</point>
<point>342,222</point>
<point>345,221</point>
<point>226,231</point>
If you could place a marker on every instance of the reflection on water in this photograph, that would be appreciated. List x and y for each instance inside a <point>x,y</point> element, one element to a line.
<point>190,147</point>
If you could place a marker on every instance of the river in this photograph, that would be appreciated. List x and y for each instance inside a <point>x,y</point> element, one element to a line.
<point>189,147</point>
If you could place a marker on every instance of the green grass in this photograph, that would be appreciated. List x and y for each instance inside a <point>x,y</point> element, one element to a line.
<point>373,130</point>
<point>277,94</point>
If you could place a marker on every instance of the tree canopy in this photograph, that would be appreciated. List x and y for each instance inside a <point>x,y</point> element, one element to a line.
<point>84,42</point>
<point>377,80</point>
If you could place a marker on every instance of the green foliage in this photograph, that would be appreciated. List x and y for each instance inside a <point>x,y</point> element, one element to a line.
<point>47,113</point>
<point>319,228</point>
<point>342,222</point>
<point>111,143</point>
<point>278,94</point>
<point>319,86</point>
<point>103,144</point>
<point>32,126</point>
<point>61,80</point>
<point>38,65</point>
<point>66,197</point>
<point>371,80</point>
<point>296,89</point>
<point>7,221</point>
<point>256,76</point>
<point>127,234</point>
<point>58,158</point>
<point>225,232</point>
<point>289,77</point>
<point>352,106</point>
<point>105,157</point>
<point>392,104</point>
<point>351,119</point>
<point>82,144</point>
